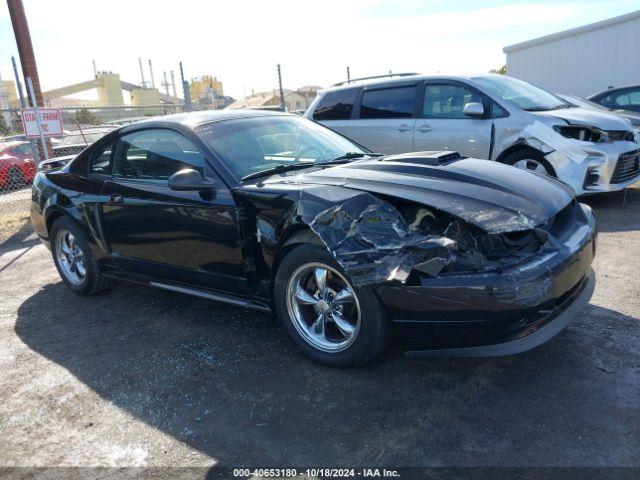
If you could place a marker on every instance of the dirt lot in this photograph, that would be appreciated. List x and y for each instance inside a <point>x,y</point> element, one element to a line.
<point>139,376</point>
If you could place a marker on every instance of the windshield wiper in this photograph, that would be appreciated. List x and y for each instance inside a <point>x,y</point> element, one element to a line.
<point>295,166</point>
<point>277,169</point>
<point>351,155</point>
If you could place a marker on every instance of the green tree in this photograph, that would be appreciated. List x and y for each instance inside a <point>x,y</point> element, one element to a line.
<point>84,116</point>
<point>500,71</point>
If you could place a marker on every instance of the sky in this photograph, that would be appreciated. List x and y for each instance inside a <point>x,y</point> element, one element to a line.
<point>242,41</point>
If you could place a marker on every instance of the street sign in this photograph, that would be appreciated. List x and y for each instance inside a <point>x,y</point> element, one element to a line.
<point>50,122</point>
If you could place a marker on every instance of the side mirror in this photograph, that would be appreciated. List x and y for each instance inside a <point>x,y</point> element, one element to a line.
<point>473,109</point>
<point>189,180</point>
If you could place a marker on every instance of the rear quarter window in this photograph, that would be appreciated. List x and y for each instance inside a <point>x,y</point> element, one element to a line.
<point>337,105</point>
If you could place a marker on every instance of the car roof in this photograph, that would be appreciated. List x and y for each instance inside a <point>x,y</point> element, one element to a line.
<point>613,90</point>
<point>400,80</point>
<point>12,143</point>
<point>192,119</point>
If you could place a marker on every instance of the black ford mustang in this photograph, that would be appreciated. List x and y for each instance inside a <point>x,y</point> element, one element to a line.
<point>270,211</point>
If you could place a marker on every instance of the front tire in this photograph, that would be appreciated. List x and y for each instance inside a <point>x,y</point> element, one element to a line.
<point>73,258</point>
<point>330,321</point>
<point>527,159</point>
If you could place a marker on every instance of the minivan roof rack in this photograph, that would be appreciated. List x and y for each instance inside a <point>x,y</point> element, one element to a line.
<point>388,75</point>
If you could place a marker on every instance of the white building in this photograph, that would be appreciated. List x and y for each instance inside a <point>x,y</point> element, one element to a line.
<point>583,60</point>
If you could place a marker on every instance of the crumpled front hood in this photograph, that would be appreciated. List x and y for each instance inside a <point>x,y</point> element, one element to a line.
<point>492,196</point>
<point>584,116</point>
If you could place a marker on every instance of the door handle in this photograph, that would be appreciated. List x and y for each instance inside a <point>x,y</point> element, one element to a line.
<point>404,127</point>
<point>116,198</point>
<point>424,128</point>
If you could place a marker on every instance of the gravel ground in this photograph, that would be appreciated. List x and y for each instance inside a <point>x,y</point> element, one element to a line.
<point>144,377</point>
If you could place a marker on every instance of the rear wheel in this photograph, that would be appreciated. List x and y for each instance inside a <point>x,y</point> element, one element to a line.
<point>530,160</point>
<point>329,319</point>
<point>74,260</point>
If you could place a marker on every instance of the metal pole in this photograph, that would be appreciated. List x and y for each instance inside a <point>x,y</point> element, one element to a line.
<point>141,72</point>
<point>153,81</point>
<point>348,75</point>
<point>23,103</point>
<point>165,84</point>
<point>185,90</point>
<point>173,85</point>
<point>282,105</point>
<point>35,108</point>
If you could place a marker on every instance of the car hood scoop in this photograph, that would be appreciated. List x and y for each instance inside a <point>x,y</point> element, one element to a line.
<point>492,196</point>
<point>424,158</point>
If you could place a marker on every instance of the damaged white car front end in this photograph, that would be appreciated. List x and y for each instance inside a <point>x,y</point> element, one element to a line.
<point>590,150</point>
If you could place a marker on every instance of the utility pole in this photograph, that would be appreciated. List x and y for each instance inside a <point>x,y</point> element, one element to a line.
<point>95,70</point>
<point>282,106</point>
<point>25,47</point>
<point>185,90</point>
<point>348,75</point>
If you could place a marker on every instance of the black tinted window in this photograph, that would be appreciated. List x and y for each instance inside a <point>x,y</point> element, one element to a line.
<point>155,155</point>
<point>101,159</point>
<point>336,105</point>
<point>447,101</point>
<point>388,103</point>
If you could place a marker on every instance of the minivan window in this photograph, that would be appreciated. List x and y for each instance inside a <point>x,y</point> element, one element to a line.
<point>447,101</point>
<point>336,105</point>
<point>388,103</point>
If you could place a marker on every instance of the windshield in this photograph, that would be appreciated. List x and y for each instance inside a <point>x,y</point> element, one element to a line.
<point>582,102</point>
<point>523,94</point>
<point>250,145</point>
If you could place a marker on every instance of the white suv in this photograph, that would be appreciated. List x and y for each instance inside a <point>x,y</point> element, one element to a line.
<point>487,116</point>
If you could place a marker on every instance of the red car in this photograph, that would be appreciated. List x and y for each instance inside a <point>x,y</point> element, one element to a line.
<point>16,165</point>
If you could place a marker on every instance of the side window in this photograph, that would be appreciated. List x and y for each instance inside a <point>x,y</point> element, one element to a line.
<point>634,97</point>
<point>336,105</point>
<point>24,149</point>
<point>388,103</point>
<point>622,99</point>
<point>155,154</point>
<point>447,101</point>
<point>100,160</point>
<point>497,111</point>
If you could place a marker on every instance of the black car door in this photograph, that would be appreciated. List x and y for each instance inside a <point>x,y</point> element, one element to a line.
<point>186,237</point>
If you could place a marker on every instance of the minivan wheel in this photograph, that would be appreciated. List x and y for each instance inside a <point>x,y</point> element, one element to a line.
<point>329,319</point>
<point>530,160</point>
<point>73,258</point>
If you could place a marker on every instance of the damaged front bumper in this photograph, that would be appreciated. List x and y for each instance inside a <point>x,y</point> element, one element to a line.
<point>497,313</point>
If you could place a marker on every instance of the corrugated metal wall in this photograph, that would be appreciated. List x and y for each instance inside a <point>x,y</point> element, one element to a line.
<point>584,63</point>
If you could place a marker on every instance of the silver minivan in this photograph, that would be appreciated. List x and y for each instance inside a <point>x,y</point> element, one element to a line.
<point>493,117</point>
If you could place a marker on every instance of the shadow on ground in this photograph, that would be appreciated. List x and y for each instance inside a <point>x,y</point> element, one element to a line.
<point>229,383</point>
<point>616,211</point>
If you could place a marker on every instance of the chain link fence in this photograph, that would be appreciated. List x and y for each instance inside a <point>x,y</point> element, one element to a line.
<point>21,158</point>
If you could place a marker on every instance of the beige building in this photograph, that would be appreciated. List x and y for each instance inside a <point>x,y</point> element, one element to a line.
<point>206,90</point>
<point>293,100</point>
<point>141,97</point>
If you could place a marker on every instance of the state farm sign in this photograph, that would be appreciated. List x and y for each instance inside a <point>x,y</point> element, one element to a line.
<point>50,122</point>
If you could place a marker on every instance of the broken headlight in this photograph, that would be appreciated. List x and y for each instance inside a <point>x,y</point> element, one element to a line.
<point>470,249</point>
<point>594,134</point>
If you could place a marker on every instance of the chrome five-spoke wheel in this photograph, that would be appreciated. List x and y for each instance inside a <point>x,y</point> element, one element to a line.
<point>530,164</point>
<point>323,307</point>
<point>70,257</point>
